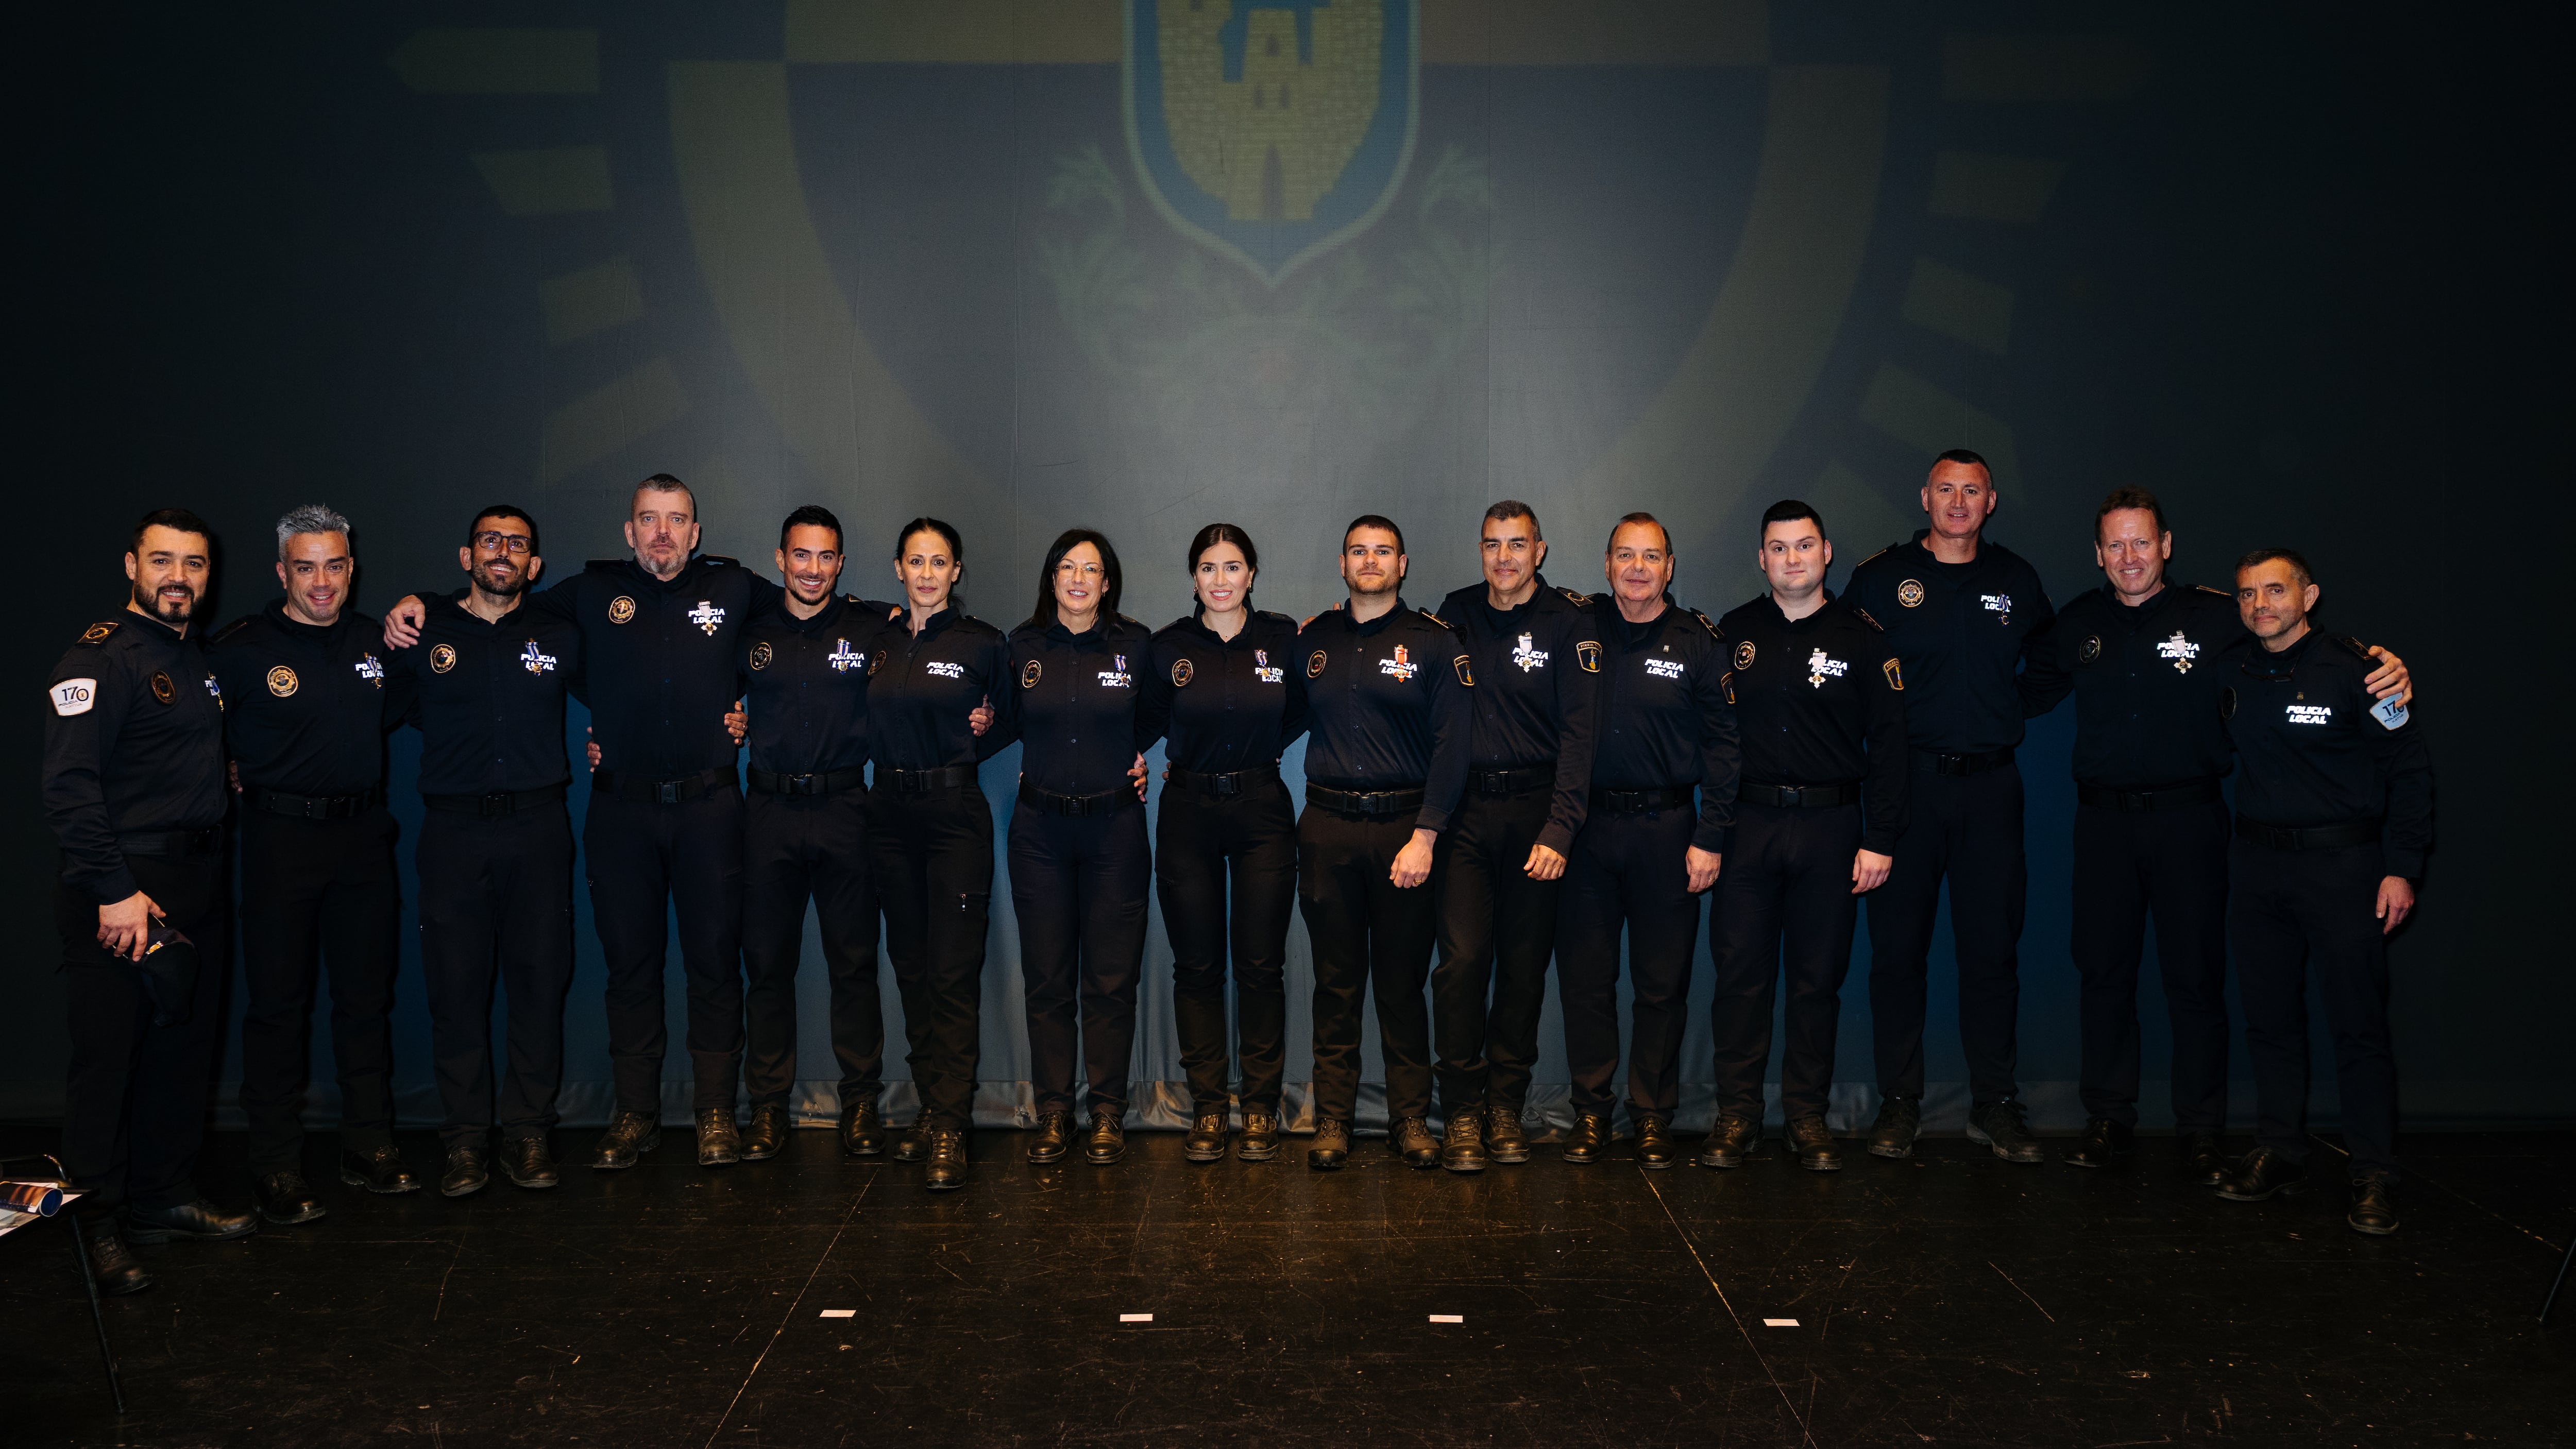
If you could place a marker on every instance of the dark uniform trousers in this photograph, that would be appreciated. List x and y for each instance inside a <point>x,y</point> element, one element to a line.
<point>134,1110</point>
<point>644,858</point>
<point>308,888</point>
<point>1783,906</point>
<point>496,906</point>
<point>1367,935</point>
<point>1627,870</point>
<point>2296,913</point>
<point>1209,842</point>
<point>933,857</point>
<point>1967,828</point>
<point>1079,885</point>
<point>797,848</point>
<point>1497,930</point>
<point>2173,864</point>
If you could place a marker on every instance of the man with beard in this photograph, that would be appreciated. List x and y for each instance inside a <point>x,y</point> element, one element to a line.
<point>485,686</point>
<point>1385,765</point>
<point>660,636</point>
<point>134,791</point>
<point>1536,655</point>
<point>305,717</point>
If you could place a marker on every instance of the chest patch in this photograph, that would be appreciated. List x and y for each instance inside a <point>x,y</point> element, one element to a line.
<point>1820,669</point>
<point>1910,593</point>
<point>442,658</point>
<point>2089,650</point>
<point>1999,605</point>
<point>371,669</point>
<point>537,661</point>
<point>1744,655</point>
<point>1401,666</point>
<point>1527,658</point>
<point>843,658</point>
<point>167,692</point>
<point>875,663</point>
<point>1116,676</point>
<point>1029,674</point>
<point>281,682</point>
<point>1314,664</point>
<point>760,655</point>
<point>2308,714</point>
<point>2182,652</point>
<point>1265,671</point>
<point>707,617</point>
<point>1182,673</point>
<point>620,609</point>
<point>944,669</point>
<point>1664,668</point>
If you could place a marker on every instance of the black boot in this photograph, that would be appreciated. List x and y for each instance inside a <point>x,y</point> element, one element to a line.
<point>530,1163</point>
<point>1053,1139</point>
<point>862,1130</point>
<point>1900,1120</point>
<point>1331,1147</point>
<point>2374,1208</point>
<point>719,1140</point>
<point>1505,1140</point>
<point>378,1170</point>
<point>629,1136</point>
<point>1813,1144</point>
<point>2263,1173</point>
<point>465,1174</point>
<point>286,1199</point>
<point>1462,1146</point>
<point>2104,1142</point>
<point>1733,1142</point>
<point>1591,1137</point>
<point>1206,1142</point>
<point>1411,1140</point>
<point>1106,1142</point>
<point>1260,1139</point>
<point>2204,1161</point>
<point>949,1163</point>
<point>199,1221</point>
<point>1999,1126</point>
<point>111,1262</point>
<point>767,1133</point>
<point>1655,1146</point>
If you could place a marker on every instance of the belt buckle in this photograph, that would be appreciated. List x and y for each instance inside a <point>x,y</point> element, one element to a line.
<point>1224,785</point>
<point>666,792</point>
<point>1792,794</point>
<point>801,784</point>
<point>494,802</point>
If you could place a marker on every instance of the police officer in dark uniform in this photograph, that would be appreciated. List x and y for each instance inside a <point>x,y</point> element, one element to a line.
<point>306,715</point>
<point>2147,663</point>
<point>805,835</point>
<point>1962,612</point>
<point>485,686</point>
<point>1664,730</point>
<point>930,832</point>
<point>2334,816</point>
<point>661,636</point>
<point>134,791</point>
<point>1820,699</point>
<point>1225,687</point>
<point>1532,649</point>
<point>1387,687</point>
<point>1080,866</point>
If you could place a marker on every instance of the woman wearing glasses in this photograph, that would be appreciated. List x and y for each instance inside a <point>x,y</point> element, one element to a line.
<point>1080,867</point>
<point>1224,683</point>
<point>930,832</point>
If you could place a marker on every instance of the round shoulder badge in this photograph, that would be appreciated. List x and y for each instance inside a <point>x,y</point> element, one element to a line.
<point>760,655</point>
<point>620,609</point>
<point>1314,664</point>
<point>1744,655</point>
<point>442,658</point>
<point>1029,673</point>
<point>1181,673</point>
<point>2089,650</point>
<point>1910,592</point>
<point>281,681</point>
<point>162,689</point>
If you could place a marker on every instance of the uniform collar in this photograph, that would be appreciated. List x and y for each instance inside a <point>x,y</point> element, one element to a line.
<point>687,576</point>
<point>454,604</point>
<point>1785,622</point>
<point>932,625</point>
<point>1374,626</point>
<point>153,628</point>
<point>826,618</point>
<point>294,628</point>
<point>2262,663</point>
<point>1483,597</point>
<point>2138,615</point>
<point>1056,633</point>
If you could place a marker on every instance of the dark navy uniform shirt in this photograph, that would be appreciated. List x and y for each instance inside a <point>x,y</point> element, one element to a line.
<point>922,687</point>
<point>1072,704</point>
<point>2315,755</point>
<point>1537,673</point>
<point>1665,720</point>
<point>1821,701</point>
<point>2146,680</point>
<point>305,704</point>
<point>1224,704</point>
<point>134,743</point>
<point>660,659</point>
<point>805,683</point>
<point>1962,630</point>
<point>1388,706</point>
<point>488,698</point>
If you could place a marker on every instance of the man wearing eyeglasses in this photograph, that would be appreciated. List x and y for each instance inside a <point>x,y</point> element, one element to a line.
<point>485,687</point>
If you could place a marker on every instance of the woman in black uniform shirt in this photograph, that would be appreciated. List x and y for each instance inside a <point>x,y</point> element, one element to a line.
<point>1080,867</point>
<point>930,832</point>
<point>1222,686</point>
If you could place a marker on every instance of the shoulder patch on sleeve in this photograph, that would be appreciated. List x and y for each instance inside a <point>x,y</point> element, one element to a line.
<point>100,632</point>
<point>1464,677</point>
<point>74,696</point>
<point>1709,624</point>
<point>1436,619</point>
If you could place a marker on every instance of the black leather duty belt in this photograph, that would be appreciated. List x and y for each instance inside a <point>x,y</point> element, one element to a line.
<point>923,782</point>
<point>1048,802</point>
<point>1809,795</point>
<point>1633,802</point>
<point>835,782</point>
<point>1511,782</point>
<point>1227,785</point>
<point>1941,764</point>
<point>1367,804</point>
<point>660,792</point>
<point>494,802</point>
<point>172,844</point>
<point>2308,837</point>
<point>2140,802</point>
<point>311,807</point>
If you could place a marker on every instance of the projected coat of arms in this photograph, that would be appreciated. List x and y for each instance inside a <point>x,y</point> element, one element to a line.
<point>1271,131</point>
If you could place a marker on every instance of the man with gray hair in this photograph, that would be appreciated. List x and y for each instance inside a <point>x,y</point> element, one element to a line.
<point>304,723</point>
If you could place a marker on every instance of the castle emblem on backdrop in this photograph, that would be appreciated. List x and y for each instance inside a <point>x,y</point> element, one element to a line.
<point>1271,130</point>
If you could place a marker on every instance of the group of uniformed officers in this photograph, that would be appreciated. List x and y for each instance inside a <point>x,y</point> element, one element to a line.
<point>1527,773</point>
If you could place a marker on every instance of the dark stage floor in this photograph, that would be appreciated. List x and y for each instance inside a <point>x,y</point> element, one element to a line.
<point>1954,1299</point>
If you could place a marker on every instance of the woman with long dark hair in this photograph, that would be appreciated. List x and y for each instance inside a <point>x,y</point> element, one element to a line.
<point>1223,685</point>
<point>1080,865</point>
<point>930,832</point>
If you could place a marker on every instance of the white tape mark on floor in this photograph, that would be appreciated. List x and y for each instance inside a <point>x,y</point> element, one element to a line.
<point>1448,1318</point>
<point>1135,1318</point>
<point>1779,1323</point>
<point>840,1313</point>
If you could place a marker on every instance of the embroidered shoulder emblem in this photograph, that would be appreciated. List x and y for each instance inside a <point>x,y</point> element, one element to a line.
<point>620,609</point>
<point>1315,664</point>
<point>1465,678</point>
<point>1578,600</point>
<point>1744,654</point>
<point>1029,673</point>
<point>1182,672</point>
<point>1588,654</point>
<point>1895,676</point>
<point>442,658</point>
<point>162,689</point>
<point>1709,624</point>
<point>281,681</point>
<point>1910,593</point>
<point>1434,618</point>
<point>760,655</point>
<point>2089,650</point>
<point>99,633</point>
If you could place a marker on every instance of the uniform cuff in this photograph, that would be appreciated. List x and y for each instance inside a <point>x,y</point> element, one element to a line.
<point>108,887</point>
<point>1713,838</point>
<point>1428,818</point>
<point>1557,838</point>
<point>1877,844</point>
<point>2405,864</point>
